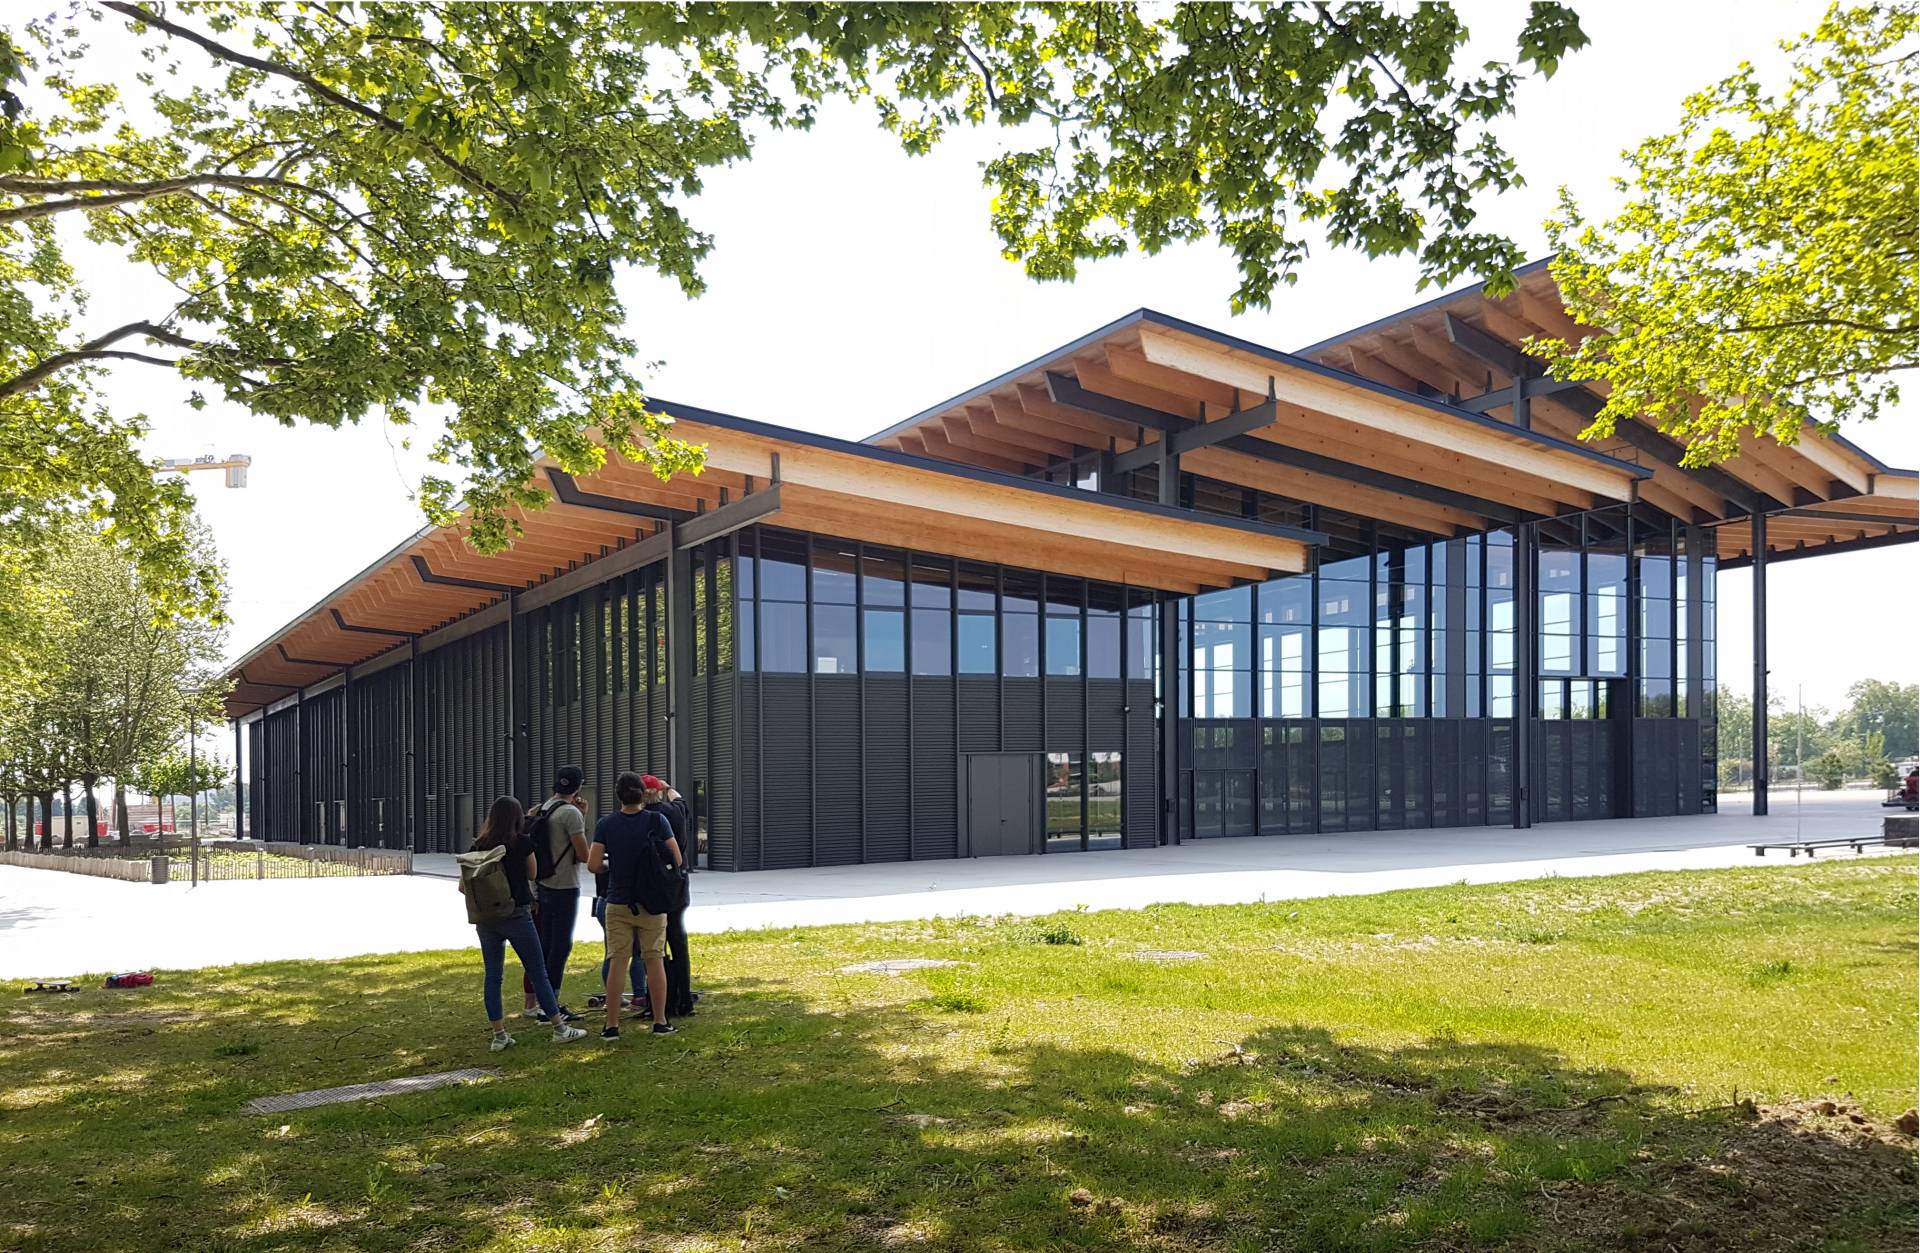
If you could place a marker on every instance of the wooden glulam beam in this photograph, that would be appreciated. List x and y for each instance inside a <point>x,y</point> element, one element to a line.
<point>1383,412</point>
<point>1084,515</point>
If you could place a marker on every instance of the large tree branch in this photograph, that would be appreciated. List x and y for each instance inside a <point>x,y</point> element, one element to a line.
<point>95,349</point>
<point>1744,328</point>
<point>118,192</point>
<point>467,174</point>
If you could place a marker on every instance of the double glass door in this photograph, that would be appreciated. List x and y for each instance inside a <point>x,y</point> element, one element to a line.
<point>1224,803</point>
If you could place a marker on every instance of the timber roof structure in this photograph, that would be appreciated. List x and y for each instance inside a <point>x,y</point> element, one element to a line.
<point>1432,419</point>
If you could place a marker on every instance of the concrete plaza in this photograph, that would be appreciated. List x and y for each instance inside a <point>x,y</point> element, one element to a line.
<point>55,924</point>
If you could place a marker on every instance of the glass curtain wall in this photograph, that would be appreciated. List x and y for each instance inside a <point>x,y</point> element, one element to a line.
<point>1337,678</point>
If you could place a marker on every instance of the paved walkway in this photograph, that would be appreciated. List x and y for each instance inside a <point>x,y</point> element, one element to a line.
<point>60,924</point>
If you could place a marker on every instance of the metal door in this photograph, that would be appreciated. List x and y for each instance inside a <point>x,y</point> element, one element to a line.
<point>1002,803</point>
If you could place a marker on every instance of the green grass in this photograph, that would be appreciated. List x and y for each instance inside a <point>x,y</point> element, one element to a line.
<point>1553,1065</point>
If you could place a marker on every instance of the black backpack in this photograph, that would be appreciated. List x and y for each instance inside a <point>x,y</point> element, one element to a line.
<point>649,878</point>
<point>536,830</point>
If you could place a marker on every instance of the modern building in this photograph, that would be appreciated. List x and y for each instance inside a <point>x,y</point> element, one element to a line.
<point>1156,585</point>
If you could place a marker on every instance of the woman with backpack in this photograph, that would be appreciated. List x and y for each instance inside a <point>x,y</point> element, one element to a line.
<point>636,849</point>
<point>494,877</point>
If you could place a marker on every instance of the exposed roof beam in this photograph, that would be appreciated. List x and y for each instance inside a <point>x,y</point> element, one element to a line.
<point>1500,355</point>
<point>427,575</point>
<point>1533,386</point>
<point>344,625</point>
<point>727,518</point>
<point>567,490</point>
<point>1199,435</point>
<point>1068,391</point>
<point>1587,407</point>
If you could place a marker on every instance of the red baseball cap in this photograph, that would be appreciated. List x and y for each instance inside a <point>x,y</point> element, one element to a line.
<point>653,783</point>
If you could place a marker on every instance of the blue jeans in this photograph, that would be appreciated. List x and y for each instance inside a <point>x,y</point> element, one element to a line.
<point>636,969</point>
<point>515,929</point>
<point>558,909</point>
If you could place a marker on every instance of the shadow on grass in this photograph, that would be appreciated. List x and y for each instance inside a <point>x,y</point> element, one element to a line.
<point>771,1122</point>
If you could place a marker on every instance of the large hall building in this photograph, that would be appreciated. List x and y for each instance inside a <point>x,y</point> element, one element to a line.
<point>1159,584</point>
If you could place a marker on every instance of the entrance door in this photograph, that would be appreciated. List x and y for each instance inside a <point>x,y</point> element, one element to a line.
<point>1003,803</point>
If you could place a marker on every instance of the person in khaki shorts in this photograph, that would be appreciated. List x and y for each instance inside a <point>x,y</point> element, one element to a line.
<point>636,848</point>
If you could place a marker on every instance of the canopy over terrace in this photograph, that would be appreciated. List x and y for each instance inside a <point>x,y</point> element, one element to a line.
<point>598,526</point>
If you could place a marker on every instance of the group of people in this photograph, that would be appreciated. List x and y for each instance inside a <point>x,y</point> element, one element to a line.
<point>521,881</point>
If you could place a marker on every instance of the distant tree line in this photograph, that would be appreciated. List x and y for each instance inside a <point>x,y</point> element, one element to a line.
<point>1879,726</point>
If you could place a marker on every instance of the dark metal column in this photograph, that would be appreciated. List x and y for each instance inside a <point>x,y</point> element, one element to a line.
<point>1169,720</point>
<point>1760,771</point>
<point>680,665</point>
<point>348,751</point>
<point>1169,471</point>
<point>1525,682</point>
<point>417,746</point>
<point>239,784</point>
<point>301,793</point>
<point>517,781</point>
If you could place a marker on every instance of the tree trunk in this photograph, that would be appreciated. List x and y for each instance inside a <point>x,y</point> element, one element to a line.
<point>93,811</point>
<point>31,841</point>
<point>66,814</point>
<point>46,817</point>
<point>120,807</point>
<point>13,831</point>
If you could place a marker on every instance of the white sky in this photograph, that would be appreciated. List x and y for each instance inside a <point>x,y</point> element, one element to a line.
<point>852,286</point>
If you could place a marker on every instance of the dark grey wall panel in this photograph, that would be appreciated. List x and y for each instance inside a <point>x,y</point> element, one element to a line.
<point>936,805</point>
<point>786,740</point>
<point>889,784</point>
<point>836,795</point>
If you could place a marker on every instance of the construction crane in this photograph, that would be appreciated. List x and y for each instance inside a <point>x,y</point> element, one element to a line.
<point>235,465</point>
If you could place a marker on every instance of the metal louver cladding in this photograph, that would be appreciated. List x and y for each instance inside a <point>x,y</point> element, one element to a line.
<point>786,832</point>
<point>378,709</point>
<point>936,776</point>
<point>1361,787</point>
<point>276,775</point>
<point>886,769</point>
<point>744,851</point>
<point>1021,711</point>
<point>1066,728</point>
<point>323,765</point>
<point>1140,779</point>
<point>979,697</point>
<point>721,811</point>
<point>467,734</point>
<point>836,770</point>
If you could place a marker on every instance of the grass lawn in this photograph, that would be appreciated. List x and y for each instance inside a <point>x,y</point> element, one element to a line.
<point>1660,1061</point>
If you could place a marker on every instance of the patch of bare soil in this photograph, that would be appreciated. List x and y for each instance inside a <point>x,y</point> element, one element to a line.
<point>1781,1177</point>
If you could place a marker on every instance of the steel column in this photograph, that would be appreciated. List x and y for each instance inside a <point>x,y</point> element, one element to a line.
<point>239,784</point>
<point>1760,770</point>
<point>1169,720</point>
<point>417,746</point>
<point>680,664</point>
<point>1525,662</point>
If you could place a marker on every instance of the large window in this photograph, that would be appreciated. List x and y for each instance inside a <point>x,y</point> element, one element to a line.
<point>835,635</point>
<point>1222,644</point>
<point>1066,811</point>
<point>1103,800</point>
<point>1020,624</point>
<point>932,616</point>
<point>1063,626</point>
<point>977,648</point>
<point>1286,629</point>
<point>883,595</point>
<point>783,603</point>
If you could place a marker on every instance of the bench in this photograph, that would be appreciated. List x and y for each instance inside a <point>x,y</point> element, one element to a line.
<point>1810,847</point>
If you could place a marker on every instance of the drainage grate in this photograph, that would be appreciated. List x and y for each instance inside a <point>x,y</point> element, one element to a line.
<point>897,965</point>
<point>288,1101</point>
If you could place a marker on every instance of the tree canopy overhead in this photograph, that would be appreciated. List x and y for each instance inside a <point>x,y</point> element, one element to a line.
<point>366,208</point>
<point>1764,275</point>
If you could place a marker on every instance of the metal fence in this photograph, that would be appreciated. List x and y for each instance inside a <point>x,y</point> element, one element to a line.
<point>204,861</point>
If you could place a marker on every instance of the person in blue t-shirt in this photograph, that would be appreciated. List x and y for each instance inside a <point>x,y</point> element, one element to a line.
<point>641,858</point>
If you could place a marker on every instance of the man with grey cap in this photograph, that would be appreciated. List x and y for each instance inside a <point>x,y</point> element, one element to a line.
<point>558,828</point>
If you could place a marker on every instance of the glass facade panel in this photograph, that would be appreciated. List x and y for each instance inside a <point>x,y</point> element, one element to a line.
<point>976,644</point>
<point>834,646</point>
<point>886,641</point>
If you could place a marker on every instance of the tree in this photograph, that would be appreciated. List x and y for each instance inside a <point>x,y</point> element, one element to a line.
<point>133,674</point>
<point>1829,771</point>
<point>1763,276</point>
<point>1889,709</point>
<point>175,772</point>
<point>364,208</point>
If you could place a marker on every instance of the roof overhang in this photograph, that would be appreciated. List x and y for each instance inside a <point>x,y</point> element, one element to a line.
<point>595,527</point>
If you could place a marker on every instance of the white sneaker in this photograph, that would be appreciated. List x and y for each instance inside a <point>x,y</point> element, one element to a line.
<point>530,1013</point>
<point>563,1033</point>
<point>501,1040</point>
